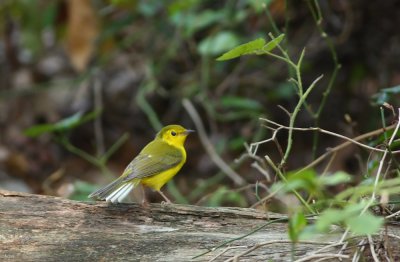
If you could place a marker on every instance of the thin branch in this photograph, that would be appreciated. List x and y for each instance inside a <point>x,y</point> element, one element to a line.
<point>317,15</point>
<point>299,197</point>
<point>394,236</point>
<point>293,118</point>
<point>283,219</point>
<point>395,214</point>
<point>384,157</point>
<point>378,174</point>
<point>372,248</point>
<point>224,251</point>
<point>326,255</point>
<point>262,170</point>
<point>236,178</point>
<point>271,195</point>
<point>326,247</point>
<point>235,258</point>
<point>254,146</point>
<point>98,103</point>
<point>357,254</point>
<point>329,133</point>
<point>114,147</point>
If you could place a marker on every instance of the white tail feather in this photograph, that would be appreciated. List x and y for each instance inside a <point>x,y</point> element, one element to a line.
<point>119,194</point>
<point>110,196</point>
<point>127,190</point>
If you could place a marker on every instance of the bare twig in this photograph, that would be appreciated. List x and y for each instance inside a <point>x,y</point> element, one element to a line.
<point>271,195</point>
<point>378,175</point>
<point>345,144</point>
<point>395,214</point>
<point>296,111</point>
<point>280,174</point>
<point>329,133</point>
<point>243,236</point>
<point>359,250</point>
<point>263,171</point>
<point>236,178</point>
<point>326,247</point>
<point>224,251</point>
<point>394,236</point>
<point>326,256</point>
<point>235,258</point>
<point>371,246</point>
<point>254,146</point>
<point>98,103</point>
<point>317,15</point>
<point>252,151</point>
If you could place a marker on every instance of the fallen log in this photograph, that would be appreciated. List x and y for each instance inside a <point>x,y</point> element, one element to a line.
<point>46,228</point>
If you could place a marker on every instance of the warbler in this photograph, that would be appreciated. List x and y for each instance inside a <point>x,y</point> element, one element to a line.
<point>155,165</point>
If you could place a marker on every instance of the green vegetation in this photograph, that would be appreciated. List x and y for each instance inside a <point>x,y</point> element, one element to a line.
<point>291,117</point>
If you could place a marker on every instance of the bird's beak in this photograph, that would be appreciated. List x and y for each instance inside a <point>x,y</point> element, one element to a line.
<point>188,131</point>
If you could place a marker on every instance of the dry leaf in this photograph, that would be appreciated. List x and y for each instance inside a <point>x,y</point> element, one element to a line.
<point>82,30</point>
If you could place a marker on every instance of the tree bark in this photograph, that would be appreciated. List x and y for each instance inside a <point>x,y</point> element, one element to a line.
<point>46,228</point>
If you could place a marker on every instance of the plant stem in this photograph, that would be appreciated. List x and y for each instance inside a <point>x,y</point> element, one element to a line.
<point>299,197</point>
<point>317,15</point>
<point>114,148</point>
<point>293,118</point>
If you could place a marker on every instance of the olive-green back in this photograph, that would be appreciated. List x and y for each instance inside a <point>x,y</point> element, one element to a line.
<point>156,157</point>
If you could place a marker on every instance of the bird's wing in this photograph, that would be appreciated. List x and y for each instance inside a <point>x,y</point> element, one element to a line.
<point>156,157</point>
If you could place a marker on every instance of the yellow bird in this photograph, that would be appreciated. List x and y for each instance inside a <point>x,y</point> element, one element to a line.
<point>155,165</point>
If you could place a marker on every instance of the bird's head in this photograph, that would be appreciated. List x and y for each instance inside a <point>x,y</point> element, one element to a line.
<point>174,134</point>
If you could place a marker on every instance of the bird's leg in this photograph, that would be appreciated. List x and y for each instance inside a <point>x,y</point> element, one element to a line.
<point>167,201</point>
<point>145,203</point>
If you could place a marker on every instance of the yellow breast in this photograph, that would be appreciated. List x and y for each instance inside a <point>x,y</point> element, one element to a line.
<point>156,182</point>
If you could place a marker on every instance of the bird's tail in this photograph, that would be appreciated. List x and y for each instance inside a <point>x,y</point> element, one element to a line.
<point>116,191</point>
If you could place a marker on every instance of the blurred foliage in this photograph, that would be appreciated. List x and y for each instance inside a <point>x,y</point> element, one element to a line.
<point>66,124</point>
<point>354,213</point>
<point>387,95</point>
<point>82,190</point>
<point>224,195</point>
<point>64,62</point>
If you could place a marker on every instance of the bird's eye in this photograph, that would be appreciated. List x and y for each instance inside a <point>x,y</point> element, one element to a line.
<point>173,133</point>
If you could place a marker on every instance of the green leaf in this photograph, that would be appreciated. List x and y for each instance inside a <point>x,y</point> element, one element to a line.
<point>273,43</point>
<point>63,125</point>
<point>309,232</point>
<point>218,43</point>
<point>82,190</point>
<point>354,209</point>
<point>240,103</point>
<point>181,6</point>
<point>244,49</point>
<point>335,179</point>
<point>259,6</point>
<point>306,178</point>
<point>307,174</point>
<point>223,195</point>
<point>69,122</point>
<point>386,95</point>
<point>236,143</point>
<point>365,224</point>
<point>257,46</point>
<point>295,185</point>
<point>351,216</point>
<point>37,130</point>
<point>297,223</point>
<point>328,217</point>
<point>177,195</point>
<point>194,22</point>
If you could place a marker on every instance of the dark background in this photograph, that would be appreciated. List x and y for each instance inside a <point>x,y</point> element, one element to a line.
<point>136,60</point>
